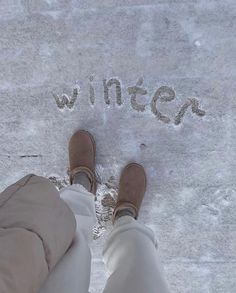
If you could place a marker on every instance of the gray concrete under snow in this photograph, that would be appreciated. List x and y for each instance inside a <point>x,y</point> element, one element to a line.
<point>154,81</point>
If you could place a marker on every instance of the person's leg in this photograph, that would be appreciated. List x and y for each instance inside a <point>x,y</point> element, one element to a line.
<point>72,274</point>
<point>130,253</point>
<point>81,202</point>
<point>80,195</point>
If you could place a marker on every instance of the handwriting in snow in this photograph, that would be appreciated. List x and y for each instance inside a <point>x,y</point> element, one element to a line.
<point>163,94</point>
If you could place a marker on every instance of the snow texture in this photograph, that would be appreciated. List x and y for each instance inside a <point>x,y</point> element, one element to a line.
<point>154,82</point>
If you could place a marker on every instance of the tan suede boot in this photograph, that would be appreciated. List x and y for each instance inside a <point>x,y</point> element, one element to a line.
<point>131,189</point>
<point>82,149</point>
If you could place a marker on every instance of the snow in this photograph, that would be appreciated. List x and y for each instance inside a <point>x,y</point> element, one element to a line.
<point>185,137</point>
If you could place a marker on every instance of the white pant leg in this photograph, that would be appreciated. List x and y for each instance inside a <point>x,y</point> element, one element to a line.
<point>130,255</point>
<point>72,273</point>
<point>82,204</point>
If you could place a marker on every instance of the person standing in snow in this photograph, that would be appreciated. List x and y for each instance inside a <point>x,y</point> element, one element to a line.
<point>130,252</point>
<point>45,234</point>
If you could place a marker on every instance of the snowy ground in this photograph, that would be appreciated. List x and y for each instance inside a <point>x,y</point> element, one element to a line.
<point>154,81</point>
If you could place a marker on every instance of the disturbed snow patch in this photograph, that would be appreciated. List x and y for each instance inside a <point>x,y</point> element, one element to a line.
<point>104,202</point>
